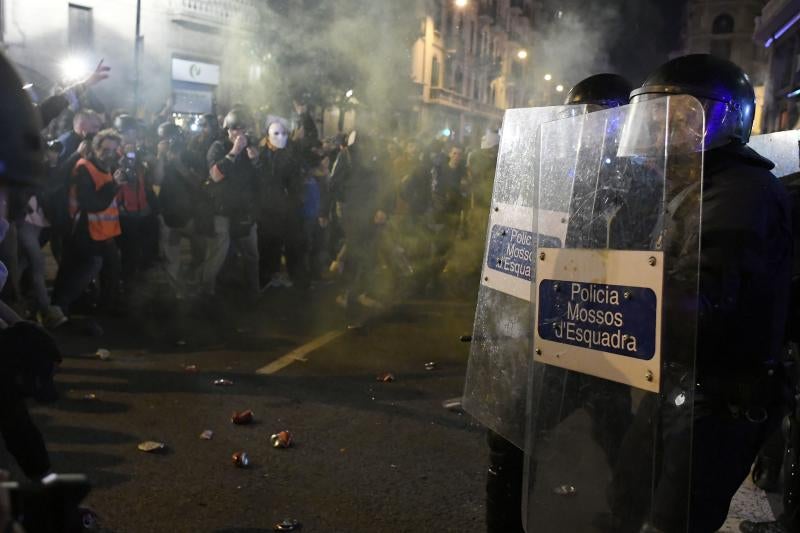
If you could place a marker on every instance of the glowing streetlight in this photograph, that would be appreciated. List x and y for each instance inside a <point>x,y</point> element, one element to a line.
<point>559,88</point>
<point>522,54</point>
<point>548,77</point>
<point>461,3</point>
<point>73,68</point>
<point>349,93</point>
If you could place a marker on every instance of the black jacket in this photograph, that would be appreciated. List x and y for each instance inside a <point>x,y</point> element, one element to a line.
<point>280,178</point>
<point>745,264</point>
<point>237,195</point>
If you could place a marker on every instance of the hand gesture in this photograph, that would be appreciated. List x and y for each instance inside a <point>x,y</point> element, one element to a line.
<point>239,144</point>
<point>99,74</point>
<point>252,152</point>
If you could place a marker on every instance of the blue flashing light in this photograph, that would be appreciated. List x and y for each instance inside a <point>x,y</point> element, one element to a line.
<point>778,34</point>
<point>794,93</point>
<point>447,132</point>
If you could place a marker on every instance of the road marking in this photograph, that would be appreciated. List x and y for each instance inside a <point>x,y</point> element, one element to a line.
<point>299,354</point>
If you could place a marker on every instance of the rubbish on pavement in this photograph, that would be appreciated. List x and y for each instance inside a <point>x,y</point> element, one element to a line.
<point>288,524</point>
<point>207,434</point>
<point>386,377</point>
<point>103,354</point>
<point>453,404</point>
<point>223,382</point>
<point>282,439</point>
<point>151,446</point>
<point>242,418</point>
<point>90,396</point>
<point>565,490</point>
<point>431,365</point>
<point>191,368</point>
<point>241,459</point>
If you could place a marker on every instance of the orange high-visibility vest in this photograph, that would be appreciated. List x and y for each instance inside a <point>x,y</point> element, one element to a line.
<point>104,224</point>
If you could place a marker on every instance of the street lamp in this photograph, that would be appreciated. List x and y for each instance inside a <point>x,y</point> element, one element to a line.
<point>559,88</point>
<point>461,3</point>
<point>522,54</point>
<point>73,68</point>
<point>548,77</point>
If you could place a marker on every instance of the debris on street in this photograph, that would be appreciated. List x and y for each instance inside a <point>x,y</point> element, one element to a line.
<point>240,459</point>
<point>151,446</point>
<point>386,377</point>
<point>242,418</point>
<point>282,439</point>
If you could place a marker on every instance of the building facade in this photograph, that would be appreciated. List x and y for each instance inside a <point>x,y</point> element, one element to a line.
<point>778,34</point>
<point>469,63</point>
<point>183,48</point>
<point>724,28</point>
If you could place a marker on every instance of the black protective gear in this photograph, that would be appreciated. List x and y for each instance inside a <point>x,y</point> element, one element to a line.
<point>22,148</point>
<point>723,88</point>
<point>125,123</point>
<point>605,90</point>
<point>237,119</point>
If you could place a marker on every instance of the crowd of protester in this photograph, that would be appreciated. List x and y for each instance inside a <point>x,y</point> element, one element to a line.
<point>244,204</point>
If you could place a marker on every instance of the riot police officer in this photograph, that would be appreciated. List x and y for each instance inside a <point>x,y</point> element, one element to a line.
<point>504,478</point>
<point>745,265</point>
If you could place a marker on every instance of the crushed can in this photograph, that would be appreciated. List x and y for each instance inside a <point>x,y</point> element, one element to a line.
<point>151,446</point>
<point>90,396</point>
<point>386,377</point>
<point>103,354</point>
<point>207,435</point>
<point>431,365</point>
<point>240,459</point>
<point>288,524</point>
<point>223,382</point>
<point>282,439</point>
<point>242,418</point>
<point>191,368</point>
<point>565,490</point>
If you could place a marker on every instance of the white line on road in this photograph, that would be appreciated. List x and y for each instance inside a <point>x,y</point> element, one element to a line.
<point>299,354</point>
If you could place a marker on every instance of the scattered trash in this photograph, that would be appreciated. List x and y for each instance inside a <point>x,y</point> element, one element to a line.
<point>207,434</point>
<point>288,525</point>
<point>282,439</point>
<point>151,446</point>
<point>191,368</point>
<point>242,418</point>
<point>181,343</point>
<point>88,518</point>
<point>223,382</point>
<point>241,459</point>
<point>90,396</point>
<point>431,365</point>
<point>386,377</point>
<point>103,354</point>
<point>453,404</point>
<point>565,490</point>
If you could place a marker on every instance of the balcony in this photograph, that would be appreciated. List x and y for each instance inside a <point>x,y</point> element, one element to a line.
<point>211,16</point>
<point>460,102</point>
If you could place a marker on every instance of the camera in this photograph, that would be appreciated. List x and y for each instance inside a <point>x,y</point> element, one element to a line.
<point>51,505</point>
<point>127,163</point>
<point>55,146</point>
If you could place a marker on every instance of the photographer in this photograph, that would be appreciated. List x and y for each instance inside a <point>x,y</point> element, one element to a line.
<point>180,202</point>
<point>94,223</point>
<point>136,201</point>
<point>234,193</point>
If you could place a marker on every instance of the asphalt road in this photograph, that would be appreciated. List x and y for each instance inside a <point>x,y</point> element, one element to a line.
<point>368,456</point>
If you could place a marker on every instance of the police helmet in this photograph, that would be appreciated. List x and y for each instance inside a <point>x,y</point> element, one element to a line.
<point>169,131</point>
<point>125,123</point>
<point>21,148</point>
<point>722,87</point>
<point>237,118</point>
<point>605,90</point>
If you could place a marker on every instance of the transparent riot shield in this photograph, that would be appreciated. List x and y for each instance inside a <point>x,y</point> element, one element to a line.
<point>497,372</point>
<point>608,436</point>
<point>782,148</point>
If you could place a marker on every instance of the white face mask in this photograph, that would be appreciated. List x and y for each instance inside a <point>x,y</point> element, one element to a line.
<point>278,137</point>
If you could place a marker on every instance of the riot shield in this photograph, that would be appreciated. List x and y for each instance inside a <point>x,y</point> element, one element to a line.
<point>608,436</point>
<point>782,148</point>
<point>497,372</point>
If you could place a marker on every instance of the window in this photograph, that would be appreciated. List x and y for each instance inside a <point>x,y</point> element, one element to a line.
<point>435,68</point>
<point>459,80</point>
<point>722,24</point>
<point>80,27</point>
